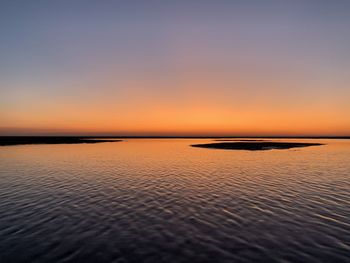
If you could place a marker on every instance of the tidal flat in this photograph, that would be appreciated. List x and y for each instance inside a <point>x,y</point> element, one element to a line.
<point>255,145</point>
<point>22,140</point>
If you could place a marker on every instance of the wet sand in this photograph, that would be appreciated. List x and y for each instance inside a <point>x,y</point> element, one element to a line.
<point>254,145</point>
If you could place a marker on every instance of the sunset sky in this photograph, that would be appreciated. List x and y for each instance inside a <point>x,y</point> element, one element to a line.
<point>175,67</point>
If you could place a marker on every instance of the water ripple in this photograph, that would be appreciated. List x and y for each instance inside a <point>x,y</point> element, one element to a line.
<point>163,201</point>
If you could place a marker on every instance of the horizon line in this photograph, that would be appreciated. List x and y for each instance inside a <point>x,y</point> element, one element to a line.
<point>186,136</point>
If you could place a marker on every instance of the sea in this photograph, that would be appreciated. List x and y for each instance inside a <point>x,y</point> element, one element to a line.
<point>161,200</point>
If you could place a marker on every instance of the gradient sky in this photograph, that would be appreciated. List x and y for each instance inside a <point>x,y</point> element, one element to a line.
<point>175,67</point>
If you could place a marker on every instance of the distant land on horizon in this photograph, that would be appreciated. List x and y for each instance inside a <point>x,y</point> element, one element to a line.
<point>238,144</point>
<point>178,136</point>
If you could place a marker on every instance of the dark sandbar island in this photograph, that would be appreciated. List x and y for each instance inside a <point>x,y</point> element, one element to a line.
<point>21,140</point>
<point>255,145</point>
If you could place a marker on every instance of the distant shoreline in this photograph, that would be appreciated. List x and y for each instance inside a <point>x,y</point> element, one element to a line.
<point>25,140</point>
<point>255,145</point>
<point>171,137</point>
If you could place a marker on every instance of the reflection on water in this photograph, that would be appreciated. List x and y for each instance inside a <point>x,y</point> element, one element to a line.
<point>163,201</point>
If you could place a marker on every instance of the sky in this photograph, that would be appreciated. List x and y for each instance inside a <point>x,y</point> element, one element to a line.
<point>185,67</point>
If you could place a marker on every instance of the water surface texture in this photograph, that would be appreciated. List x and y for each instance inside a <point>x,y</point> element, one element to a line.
<point>160,200</point>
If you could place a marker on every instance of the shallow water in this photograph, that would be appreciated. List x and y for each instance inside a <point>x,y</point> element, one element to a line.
<point>162,201</point>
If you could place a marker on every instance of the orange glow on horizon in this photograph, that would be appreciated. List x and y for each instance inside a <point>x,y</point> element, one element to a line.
<point>197,103</point>
<point>190,119</point>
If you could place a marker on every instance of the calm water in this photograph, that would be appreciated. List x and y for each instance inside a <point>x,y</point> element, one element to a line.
<point>163,201</point>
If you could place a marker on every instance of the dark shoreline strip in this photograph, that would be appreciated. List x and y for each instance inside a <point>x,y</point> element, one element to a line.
<point>255,146</point>
<point>239,140</point>
<point>14,140</point>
